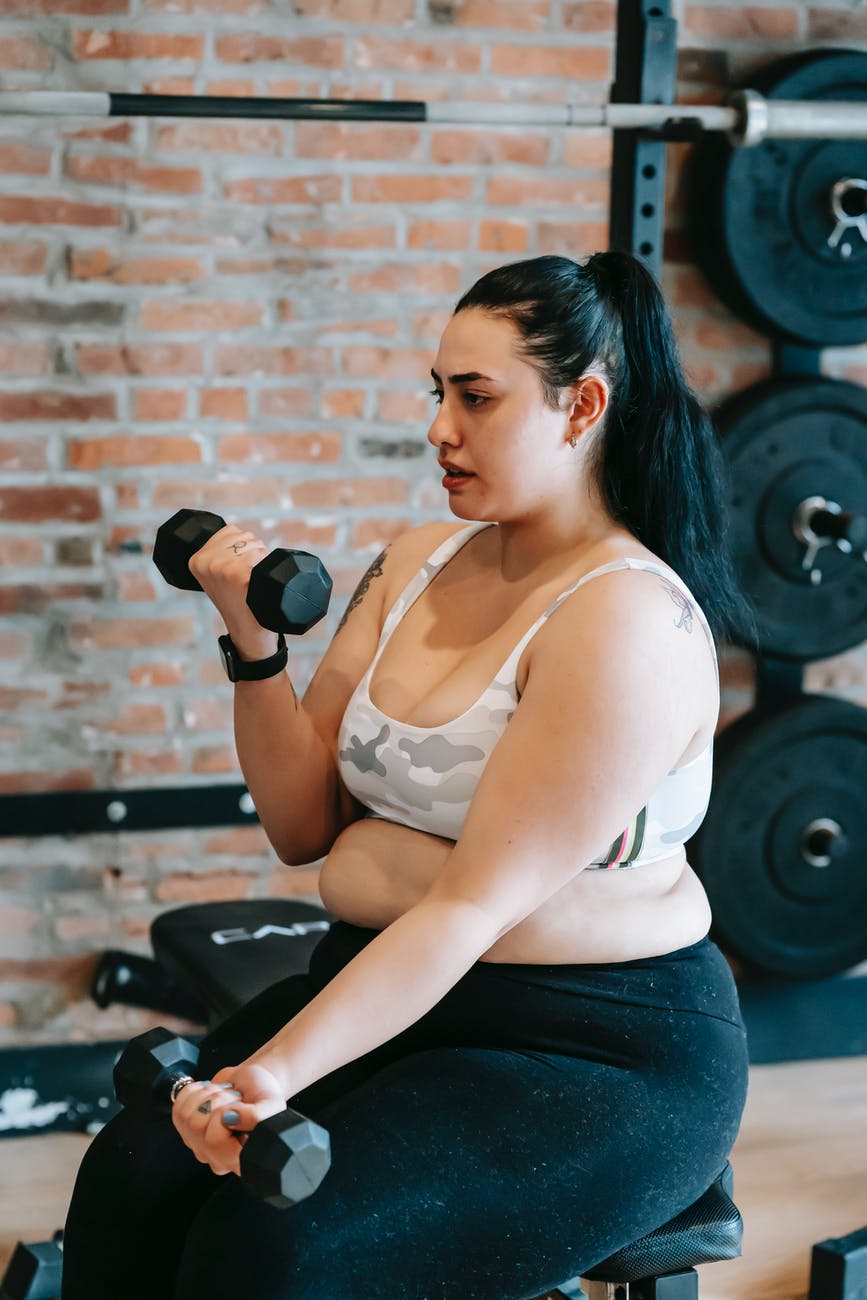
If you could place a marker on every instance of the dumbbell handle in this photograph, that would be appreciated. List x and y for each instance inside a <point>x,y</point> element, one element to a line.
<point>142,1081</point>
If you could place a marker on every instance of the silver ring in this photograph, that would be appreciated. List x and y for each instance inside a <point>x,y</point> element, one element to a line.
<point>179,1085</point>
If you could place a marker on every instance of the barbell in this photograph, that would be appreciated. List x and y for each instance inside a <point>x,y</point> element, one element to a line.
<point>747,118</point>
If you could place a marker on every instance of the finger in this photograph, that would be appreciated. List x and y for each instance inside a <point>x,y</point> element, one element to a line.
<point>242,1117</point>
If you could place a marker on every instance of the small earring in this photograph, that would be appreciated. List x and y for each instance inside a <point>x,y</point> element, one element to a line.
<point>573,442</point>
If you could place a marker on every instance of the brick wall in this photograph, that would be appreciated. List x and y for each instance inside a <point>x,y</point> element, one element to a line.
<point>241,315</point>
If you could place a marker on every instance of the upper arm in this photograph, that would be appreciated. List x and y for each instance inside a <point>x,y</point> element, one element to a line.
<point>354,643</point>
<point>603,718</point>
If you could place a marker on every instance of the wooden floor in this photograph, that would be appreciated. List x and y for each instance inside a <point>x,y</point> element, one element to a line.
<point>800,1176</point>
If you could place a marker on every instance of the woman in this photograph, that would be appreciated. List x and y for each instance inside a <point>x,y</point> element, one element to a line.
<point>525,1048</point>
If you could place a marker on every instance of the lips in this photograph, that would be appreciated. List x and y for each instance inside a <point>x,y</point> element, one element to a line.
<point>450,467</point>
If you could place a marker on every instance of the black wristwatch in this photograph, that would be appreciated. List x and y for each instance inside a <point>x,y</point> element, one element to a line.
<point>252,670</point>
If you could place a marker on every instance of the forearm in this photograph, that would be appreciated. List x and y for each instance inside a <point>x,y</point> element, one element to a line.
<point>390,985</point>
<point>289,771</point>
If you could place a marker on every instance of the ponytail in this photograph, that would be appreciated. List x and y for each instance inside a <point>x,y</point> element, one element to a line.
<point>658,463</point>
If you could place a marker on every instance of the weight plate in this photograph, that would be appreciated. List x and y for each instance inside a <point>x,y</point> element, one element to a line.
<point>781,228</point>
<point>782,851</point>
<point>789,443</point>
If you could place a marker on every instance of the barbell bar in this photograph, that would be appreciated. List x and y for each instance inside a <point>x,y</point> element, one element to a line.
<point>747,118</point>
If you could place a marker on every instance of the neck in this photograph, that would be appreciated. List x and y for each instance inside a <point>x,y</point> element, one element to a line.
<point>530,544</point>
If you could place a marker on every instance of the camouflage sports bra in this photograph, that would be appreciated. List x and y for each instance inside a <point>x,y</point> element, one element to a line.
<point>425,777</point>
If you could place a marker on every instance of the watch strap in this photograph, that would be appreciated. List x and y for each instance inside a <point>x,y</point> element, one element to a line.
<point>252,670</point>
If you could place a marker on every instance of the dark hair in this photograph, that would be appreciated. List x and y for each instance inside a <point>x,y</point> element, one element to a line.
<point>658,463</point>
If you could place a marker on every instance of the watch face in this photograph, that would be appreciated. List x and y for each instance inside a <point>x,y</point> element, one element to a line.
<point>228,657</point>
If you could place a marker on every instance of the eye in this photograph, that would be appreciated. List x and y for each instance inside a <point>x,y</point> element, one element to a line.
<point>436,393</point>
<point>474,399</point>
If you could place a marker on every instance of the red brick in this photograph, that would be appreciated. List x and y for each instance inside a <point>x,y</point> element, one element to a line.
<point>223,137</point>
<point>17,455</point>
<point>14,645</point>
<point>414,189</point>
<point>129,633</point>
<point>279,448</point>
<point>575,192</point>
<point>475,145</point>
<point>573,62</point>
<point>48,405</point>
<point>100,170</point>
<point>572,238</point>
<point>837,24</point>
<point>115,133</point>
<point>41,782</point>
<point>143,449</point>
<point>590,16</point>
<point>159,404</point>
<point>215,758</point>
<point>103,264</point>
<point>25,551</point>
<point>223,404</point>
<point>273,361</point>
<point>354,141</point>
<point>137,719</point>
<point>346,403</point>
<point>135,587</point>
<point>285,402</point>
<point>15,209</point>
<point>178,316</point>
<point>241,494</point>
<point>417,56</point>
<point>307,535</point>
<point>429,323</point>
<point>24,159</point>
<point>518,15</point>
<point>590,150</point>
<point>157,674</point>
<point>91,44</point>
<point>436,278</point>
<point>240,841</point>
<point>439,234</point>
<point>333,235</point>
<point>140,358</point>
<point>25,54</point>
<point>503,236</point>
<point>34,598</point>
<point>293,882</point>
<point>169,86</point>
<point>387,363</point>
<point>404,408</point>
<point>207,6</point>
<point>205,887</point>
<point>36,505</point>
<point>350,492</point>
<point>284,189</point>
<point>23,258</point>
<point>382,328</point>
<point>391,12</point>
<point>24,359</point>
<point>252,47</point>
<point>375,534</point>
<point>133,763</point>
<point>208,713</point>
<point>741,22</point>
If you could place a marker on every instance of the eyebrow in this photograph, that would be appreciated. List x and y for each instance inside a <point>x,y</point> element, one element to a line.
<point>462,379</point>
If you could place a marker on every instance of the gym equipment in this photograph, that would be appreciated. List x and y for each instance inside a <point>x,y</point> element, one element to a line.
<point>781,851</point>
<point>288,591</point>
<point>796,458</point>
<point>284,1158</point>
<point>838,1268</point>
<point>781,229</point>
<point>748,116</point>
<point>34,1271</point>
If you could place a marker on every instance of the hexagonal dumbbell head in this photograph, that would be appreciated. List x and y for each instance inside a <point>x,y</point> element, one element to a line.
<point>148,1067</point>
<point>177,541</point>
<point>285,1158</point>
<point>289,591</point>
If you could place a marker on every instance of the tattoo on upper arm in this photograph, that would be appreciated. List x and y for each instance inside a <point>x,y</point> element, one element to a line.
<point>683,603</point>
<point>375,571</point>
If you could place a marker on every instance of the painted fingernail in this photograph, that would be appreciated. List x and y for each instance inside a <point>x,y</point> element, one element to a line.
<point>230,1117</point>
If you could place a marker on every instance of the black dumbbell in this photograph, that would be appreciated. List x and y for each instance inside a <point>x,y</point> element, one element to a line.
<point>284,1158</point>
<point>288,591</point>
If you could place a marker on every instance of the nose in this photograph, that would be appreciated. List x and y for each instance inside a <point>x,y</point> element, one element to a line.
<point>442,429</point>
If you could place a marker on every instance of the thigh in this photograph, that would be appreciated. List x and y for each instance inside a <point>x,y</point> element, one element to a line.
<point>457,1174</point>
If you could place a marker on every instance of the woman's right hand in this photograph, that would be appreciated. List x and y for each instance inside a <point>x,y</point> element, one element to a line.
<point>222,567</point>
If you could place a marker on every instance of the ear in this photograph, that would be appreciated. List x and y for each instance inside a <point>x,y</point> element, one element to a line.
<point>586,404</point>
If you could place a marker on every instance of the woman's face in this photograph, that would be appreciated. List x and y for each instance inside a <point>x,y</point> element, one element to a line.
<point>493,423</point>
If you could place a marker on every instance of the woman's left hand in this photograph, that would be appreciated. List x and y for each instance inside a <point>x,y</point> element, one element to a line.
<point>208,1113</point>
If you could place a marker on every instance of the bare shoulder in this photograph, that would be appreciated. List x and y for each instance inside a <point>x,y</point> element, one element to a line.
<point>396,564</point>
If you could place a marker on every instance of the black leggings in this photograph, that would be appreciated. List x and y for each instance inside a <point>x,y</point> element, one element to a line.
<point>535,1120</point>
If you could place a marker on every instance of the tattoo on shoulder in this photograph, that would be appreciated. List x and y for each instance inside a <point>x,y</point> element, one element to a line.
<point>686,613</point>
<point>375,571</point>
